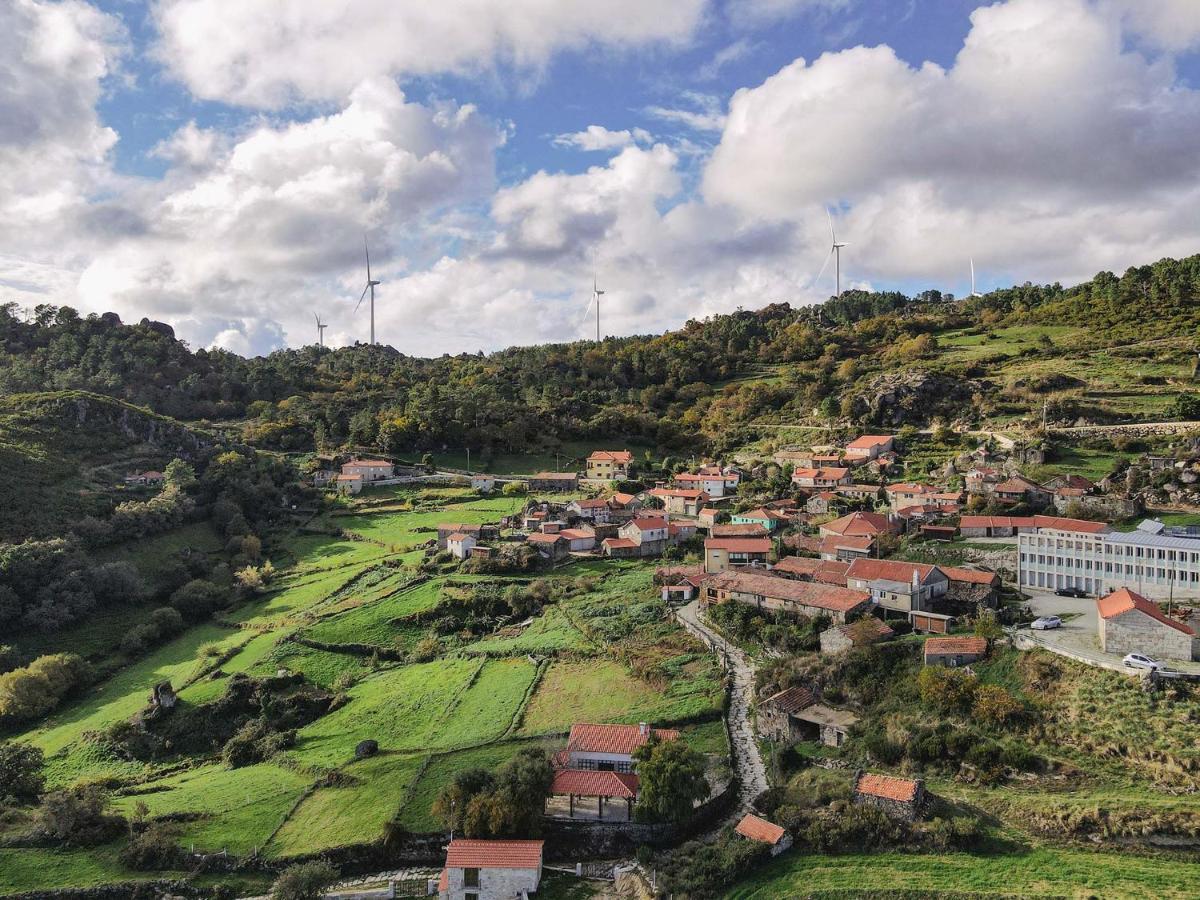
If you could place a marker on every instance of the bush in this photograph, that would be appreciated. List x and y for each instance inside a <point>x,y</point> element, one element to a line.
<point>36,689</point>
<point>850,827</point>
<point>946,689</point>
<point>154,847</point>
<point>197,600</point>
<point>993,705</point>
<point>306,881</point>
<point>20,773</point>
<point>672,779</point>
<point>78,817</point>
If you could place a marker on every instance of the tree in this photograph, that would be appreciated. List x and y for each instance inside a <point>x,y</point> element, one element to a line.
<point>995,705</point>
<point>78,816</point>
<point>20,773</point>
<point>451,803</point>
<point>672,780</point>
<point>946,689</point>
<point>987,625</point>
<point>305,881</point>
<point>179,475</point>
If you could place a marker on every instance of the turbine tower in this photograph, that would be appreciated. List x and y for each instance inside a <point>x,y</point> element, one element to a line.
<point>596,295</point>
<point>835,253</point>
<point>370,287</point>
<point>321,326</point>
<point>974,293</point>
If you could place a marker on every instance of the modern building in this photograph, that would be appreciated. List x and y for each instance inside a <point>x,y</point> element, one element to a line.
<point>722,553</point>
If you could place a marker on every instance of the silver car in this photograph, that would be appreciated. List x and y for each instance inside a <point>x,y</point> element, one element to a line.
<point>1142,661</point>
<point>1045,623</point>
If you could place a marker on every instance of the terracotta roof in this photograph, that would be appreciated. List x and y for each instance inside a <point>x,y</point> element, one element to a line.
<point>685,493</point>
<point>1016,486</point>
<point>857,523</point>
<point>760,513</point>
<point>935,645</point>
<point>757,829</point>
<point>827,571</point>
<point>803,593</point>
<point>623,499</point>
<point>620,456</point>
<point>538,537</point>
<point>908,487</point>
<point>806,542</point>
<point>592,738</point>
<point>643,523</point>
<point>882,629</point>
<point>792,699</point>
<point>371,463</point>
<point>460,527</point>
<point>889,569</point>
<point>1062,524</point>
<point>576,534</point>
<point>746,529</point>
<point>997,522</point>
<point>474,854</point>
<point>585,783</point>
<point>1124,600</point>
<point>867,441</point>
<point>594,503</point>
<point>834,472</point>
<point>739,544</point>
<point>972,576</point>
<point>887,787</point>
<point>619,543</point>
<point>833,542</point>
<point>457,536</point>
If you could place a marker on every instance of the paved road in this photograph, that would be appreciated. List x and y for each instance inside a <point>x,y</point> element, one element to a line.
<point>747,760</point>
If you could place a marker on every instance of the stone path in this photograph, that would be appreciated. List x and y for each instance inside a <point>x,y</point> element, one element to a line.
<point>747,760</point>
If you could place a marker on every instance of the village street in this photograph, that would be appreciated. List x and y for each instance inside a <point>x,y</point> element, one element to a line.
<point>747,760</point>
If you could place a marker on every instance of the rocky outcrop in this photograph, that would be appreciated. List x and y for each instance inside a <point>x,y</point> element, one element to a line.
<point>911,397</point>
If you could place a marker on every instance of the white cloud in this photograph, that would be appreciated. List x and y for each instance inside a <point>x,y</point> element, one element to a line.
<point>730,53</point>
<point>597,137</point>
<point>267,54</point>
<point>697,111</point>
<point>1170,24</point>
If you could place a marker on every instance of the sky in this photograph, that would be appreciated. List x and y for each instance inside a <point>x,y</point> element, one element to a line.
<point>218,164</point>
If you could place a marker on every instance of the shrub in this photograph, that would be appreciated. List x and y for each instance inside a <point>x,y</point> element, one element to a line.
<point>36,689</point>
<point>153,847</point>
<point>993,705</point>
<point>197,599</point>
<point>78,816</point>
<point>305,881</point>
<point>672,779</point>
<point>20,773</point>
<point>946,689</point>
<point>848,827</point>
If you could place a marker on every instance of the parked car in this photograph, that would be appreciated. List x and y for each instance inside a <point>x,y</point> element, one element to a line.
<point>1071,592</point>
<point>1045,623</point>
<point>1142,661</point>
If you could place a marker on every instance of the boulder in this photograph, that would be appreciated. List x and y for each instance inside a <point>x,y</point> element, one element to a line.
<point>365,749</point>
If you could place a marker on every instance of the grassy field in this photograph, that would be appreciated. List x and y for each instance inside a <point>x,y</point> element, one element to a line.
<point>372,622</point>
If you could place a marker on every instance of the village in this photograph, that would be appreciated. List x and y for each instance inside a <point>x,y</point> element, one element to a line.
<point>1063,565</point>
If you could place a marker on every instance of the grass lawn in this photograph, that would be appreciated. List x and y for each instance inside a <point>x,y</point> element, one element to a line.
<point>350,814</point>
<point>405,529</point>
<point>1092,464</point>
<point>549,632</point>
<point>1039,872</point>
<point>371,623</point>
<point>239,808</point>
<point>487,708</point>
<point>152,556</point>
<point>37,868</point>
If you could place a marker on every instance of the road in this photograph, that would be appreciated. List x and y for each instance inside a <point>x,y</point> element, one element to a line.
<point>747,760</point>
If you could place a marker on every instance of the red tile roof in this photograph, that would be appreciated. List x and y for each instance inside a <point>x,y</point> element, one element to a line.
<point>645,523</point>
<point>997,522</point>
<point>619,543</point>
<point>1124,600</point>
<point>867,441</point>
<point>584,783</point>
<point>887,787</point>
<point>592,738</point>
<point>757,829</point>
<point>457,536</point>
<point>882,631</point>
<point>827,571</point>
<point>623,499</point>
<point>857,523</point>
<point>802,593</point>
<point>970,576</point>
<point>792,699</point>
<point>834,542</point>
<point>538,537</point>
<point>619,456</point>
<point>908,487</point>
<point>594,503</point>
<point>370,463</point>
<point>1059,523</point>
<point>760,513</point>
<point>460,527</point>
<point>937,645</point>
<point>748,529</point>
<point>889,569</point>
<point>835,473</point>
<point>576,534</point>
<point>475,854</point>
<point>739,544</point>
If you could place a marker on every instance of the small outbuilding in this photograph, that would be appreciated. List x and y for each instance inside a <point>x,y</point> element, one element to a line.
<point>1130,623</point>
<point>754,828</point>
<point>900,798</point>
<point>954,651</point>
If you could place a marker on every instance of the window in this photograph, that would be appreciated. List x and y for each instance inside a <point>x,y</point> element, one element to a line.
<point>471,878</point>
<point>470,895</point>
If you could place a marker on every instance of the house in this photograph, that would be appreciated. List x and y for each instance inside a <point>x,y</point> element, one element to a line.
<point>1071,483</point>
<point>897,586</point>
<point>553,481</point>
<point>485,484</point>
<point>579,540</point>
<point>821,503</point>
<point>900,798</point>
<point>862,493</point>
<point>752,828</point>
<point>907,493</point>
<point>137,479</point>
<point>649,532</point>
<point>769,519</point>
<point>708,517</point>
<point>609,465</point>
<point>1129,623</point>
<point>490,870</point>
<point>794,715</point>
<point>722,553</point>
<point>846,547</point>
<point>751,529</point>
<point>822,477</point>
<point>460,545</point>
<point>594,510</point>
<point>786,595</point>
<point>859,633</point>
<point>972,585</point>
<point>870,446</point>
<point>348,484</point>
<point>981,479</point>
<point>369,469</point>
<point>680,501</point>
<point>619,547</point>
<point>550,546</point>
<point>995,526</point>
<point>804,568</point>
<point>710,479</point>
<point>610,748</point>
<point>954,651</point>
<point>938,532</point>
<point>1019,489</point>
<point>858,524</point>
<point>446,529</point>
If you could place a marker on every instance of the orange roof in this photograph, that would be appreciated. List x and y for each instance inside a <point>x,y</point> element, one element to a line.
<point>757,829</point>
<point>619,543</point>
<point>623,499</point>
<point>591,738</point>
<point>576,534</point>
<point>889,569</point>
<point>955,645</point>
<point>803,593</point>
<point>371,463</point>
<point>1062,524</point>
<point>867,441</point>
<point>998,521</point>
<point>685,493</point>
<point>908,487</point>
<point>739,544</point>
<point>583,783</point>
<point>594,503</point>
<point>1123,600</point>
<point>619,456</point>
<point>833,542</point>
<point>643,523</point>
<point>882,629</point>
<point>460,527</point>
<point>887,787</point>
<point>457,536</point>
<point>827,571</point>
<point>760,513</point>
<point>475,854</point>
<point>746,529</point>
<point>857,523</point>
<point>834,472</point>
<point>972,576</point>
<point>538,537</point>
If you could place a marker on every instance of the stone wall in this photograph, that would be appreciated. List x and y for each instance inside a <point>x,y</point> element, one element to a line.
<point>1136,632</point>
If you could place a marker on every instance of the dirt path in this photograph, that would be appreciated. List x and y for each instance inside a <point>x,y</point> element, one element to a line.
<point>747,760</point>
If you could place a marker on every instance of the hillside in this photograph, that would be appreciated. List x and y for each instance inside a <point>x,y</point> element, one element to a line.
<point>65,453</point>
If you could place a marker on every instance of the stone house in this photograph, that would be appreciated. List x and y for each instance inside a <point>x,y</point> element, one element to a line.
<point>681,501</point>
<point>996,526</point>
<point>897,586</point>
<point>609,465</point>
<point>1129,623</point>
<point>954,651</point>
<point>1020,489</point>
<point>822,503</point>
<point>490,870</point>
<point>610,748</point>
<point>369,469</point>
<point>752,828</point>
<point>784,595</point>
<point>869,446</point>
<point>553,482</point>
<point>349,484</point>
<point>794,714</point>
<point>485,484</point>
<point>900,798</point>
<point>722,553</point>
<point>805,568</point>
<point>550,546</point>
<point>821,477</point>
<point>479,532</point>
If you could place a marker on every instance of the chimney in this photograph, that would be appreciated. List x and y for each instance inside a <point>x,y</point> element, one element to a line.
<point>644,728</point>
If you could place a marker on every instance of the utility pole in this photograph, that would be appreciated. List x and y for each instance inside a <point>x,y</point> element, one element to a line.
<point>468,460</point>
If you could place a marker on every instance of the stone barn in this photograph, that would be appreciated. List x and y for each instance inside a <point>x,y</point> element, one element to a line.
<point>954,651</point>
<point>1129,623</point>
<point>900,798</point>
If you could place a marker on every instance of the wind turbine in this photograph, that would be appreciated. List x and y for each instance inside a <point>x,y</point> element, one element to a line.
<point>974,293</point>
<point>835,252</point>
<point>370,287</point>
<point>596,295</point>
<point>321,326</point>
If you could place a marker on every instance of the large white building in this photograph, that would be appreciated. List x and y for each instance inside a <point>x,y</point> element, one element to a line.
<point>1154,560</point>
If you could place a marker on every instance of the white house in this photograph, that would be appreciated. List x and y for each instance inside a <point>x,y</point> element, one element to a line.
<point>594,510</point>
<point>610,748</point>
<point>460,545</point>
<point>485,484</point>
<point>490,870</point>
<point>869,446</point>
<point>369,469</point>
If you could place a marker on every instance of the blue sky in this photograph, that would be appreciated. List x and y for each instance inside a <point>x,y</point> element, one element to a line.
<point>215,164</point>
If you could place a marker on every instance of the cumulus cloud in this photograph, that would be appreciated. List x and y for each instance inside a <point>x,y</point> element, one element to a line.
<point>597,137</point>
<point>267,54</point>
<point>1170,24</point>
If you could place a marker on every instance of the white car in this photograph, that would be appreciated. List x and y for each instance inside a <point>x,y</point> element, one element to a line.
<point>1045,623</point>
<point>1142,661</point>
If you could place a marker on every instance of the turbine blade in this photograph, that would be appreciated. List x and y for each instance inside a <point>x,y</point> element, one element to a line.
<point>361,296</point>
<point>829,216</point>
<point>824,266</point>
<point>367,253</point>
